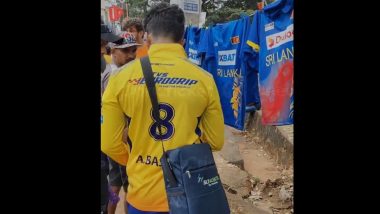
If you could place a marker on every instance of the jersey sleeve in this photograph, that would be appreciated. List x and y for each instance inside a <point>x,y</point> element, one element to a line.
<point>253,36</point>
<point>251,48</point>
<point>112,125</point>
<point>206,44</point>
<point>202,47</point>
<point>250,63</point>
<point>212,122</point>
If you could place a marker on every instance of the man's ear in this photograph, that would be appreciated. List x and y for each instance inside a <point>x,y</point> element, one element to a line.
<point>149,40</point>
<point>140,34</point>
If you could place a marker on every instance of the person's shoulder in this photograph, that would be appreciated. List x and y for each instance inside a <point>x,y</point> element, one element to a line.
<point>127,69</point>
<point>124,75</point>
<point>122,68</point>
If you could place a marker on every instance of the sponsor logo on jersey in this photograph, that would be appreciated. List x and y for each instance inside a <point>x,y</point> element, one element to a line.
<point>164,79</point>
<point>227,57</point>
<point>280,38</point>
<point>269,26</point>
<point>193,56</point>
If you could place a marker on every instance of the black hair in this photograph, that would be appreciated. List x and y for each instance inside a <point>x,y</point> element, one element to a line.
<point>165,20</point>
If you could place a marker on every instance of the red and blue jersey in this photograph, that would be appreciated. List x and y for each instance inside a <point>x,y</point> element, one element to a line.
<point>271,42</point>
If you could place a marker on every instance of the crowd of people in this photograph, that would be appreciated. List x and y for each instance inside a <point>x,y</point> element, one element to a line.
<point>117,51</point>
<point>191,113</point>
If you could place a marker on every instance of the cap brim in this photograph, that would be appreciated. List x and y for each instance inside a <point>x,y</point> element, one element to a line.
<point>126,45</point>
<point>110,37</point>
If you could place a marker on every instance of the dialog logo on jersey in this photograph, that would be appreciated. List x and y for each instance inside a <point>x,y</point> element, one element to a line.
<point>227,57</point>
<point>280,38</point>
<point>270,42</point>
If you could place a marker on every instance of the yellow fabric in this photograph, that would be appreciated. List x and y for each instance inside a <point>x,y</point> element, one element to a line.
<point>108,58</point>
<point>190,99</point>
<point>255,46</point>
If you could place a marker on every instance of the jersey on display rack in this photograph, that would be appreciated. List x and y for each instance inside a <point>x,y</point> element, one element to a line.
<point>224,55</point>
<point>205,44</point>
<point>193,37</point>
<point>271,42</point>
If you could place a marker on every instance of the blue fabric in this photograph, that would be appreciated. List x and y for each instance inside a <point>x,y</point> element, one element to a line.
<point>132,210</point>
<point>272,31</point>
<point>193,38</point>
<point>197,187</point>
<point>204,48</point>
<point>225,61</point>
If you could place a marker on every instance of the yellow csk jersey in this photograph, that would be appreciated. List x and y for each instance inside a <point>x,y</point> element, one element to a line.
<point>189,107</point>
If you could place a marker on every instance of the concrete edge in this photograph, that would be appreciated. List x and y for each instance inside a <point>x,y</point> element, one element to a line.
<point>274,139</point>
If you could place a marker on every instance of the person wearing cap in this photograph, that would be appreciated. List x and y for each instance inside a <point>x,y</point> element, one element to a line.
<point>135,27</point>
<point>106,37</point>
<point>123,51</point>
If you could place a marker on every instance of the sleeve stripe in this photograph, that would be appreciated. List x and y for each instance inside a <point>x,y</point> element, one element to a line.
<point>255,46</point>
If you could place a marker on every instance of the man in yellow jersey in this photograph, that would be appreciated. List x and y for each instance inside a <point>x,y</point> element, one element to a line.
<point>189,105</point>
<point>135,27</point>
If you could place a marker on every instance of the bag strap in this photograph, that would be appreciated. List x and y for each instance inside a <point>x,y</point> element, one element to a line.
<point>149,82</point>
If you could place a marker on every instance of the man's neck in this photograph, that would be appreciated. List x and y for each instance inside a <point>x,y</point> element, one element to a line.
<point>162,41</point>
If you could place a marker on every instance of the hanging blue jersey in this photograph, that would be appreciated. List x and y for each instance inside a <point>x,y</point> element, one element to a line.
<point>271,41</point>
<point>225,48</point>
<point>204,49</point>
<point>252,96</point>
<point>193,38</point>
